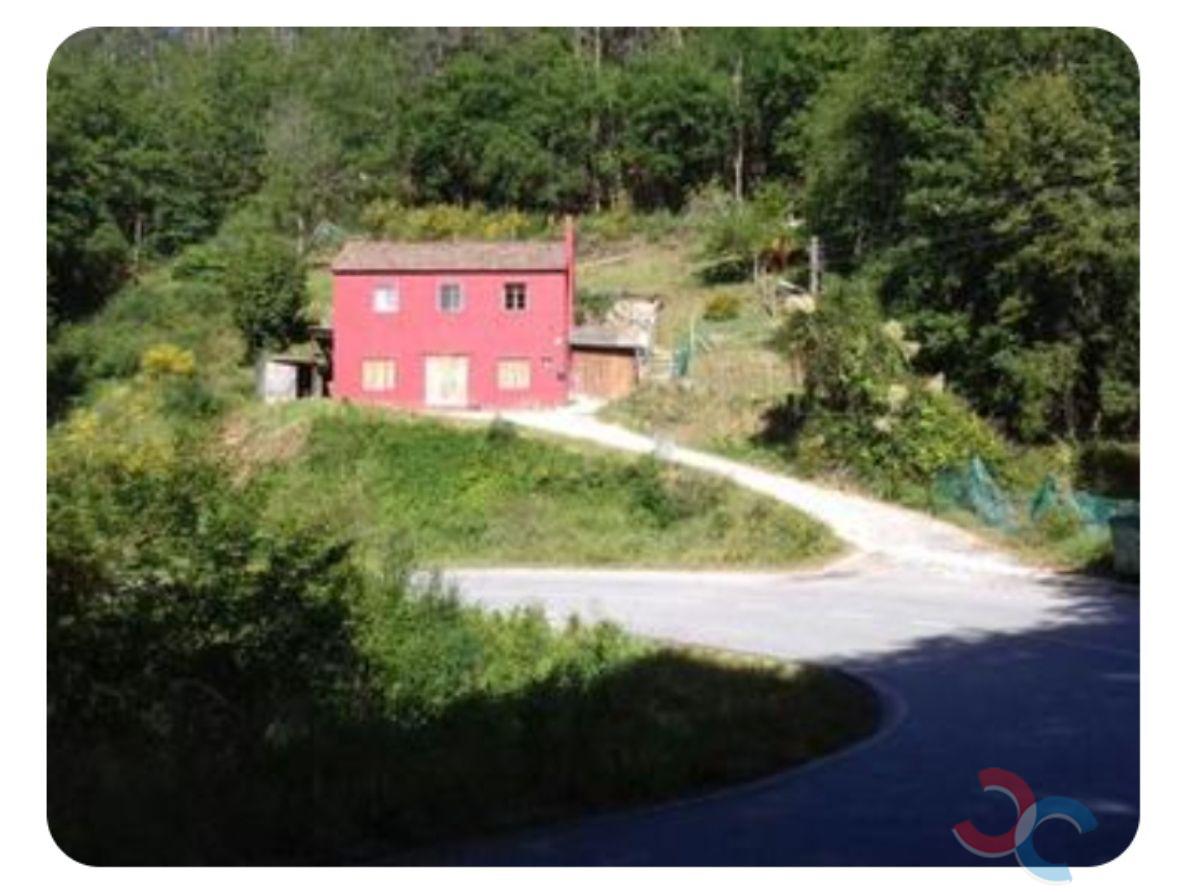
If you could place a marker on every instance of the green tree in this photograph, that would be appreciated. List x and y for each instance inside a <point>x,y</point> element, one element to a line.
<point>678,122</point>
<point>265,284</point>
<point>302,169</point>
<point>508,125</point>
<point>991,175</point>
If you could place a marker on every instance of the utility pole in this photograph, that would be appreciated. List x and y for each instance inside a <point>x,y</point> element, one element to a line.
<point>814,266</point>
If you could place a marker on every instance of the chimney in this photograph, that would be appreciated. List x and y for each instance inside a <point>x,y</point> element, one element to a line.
<point>569,246</point>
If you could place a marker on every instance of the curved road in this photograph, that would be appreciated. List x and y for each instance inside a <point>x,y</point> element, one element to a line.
<point>982,663</point>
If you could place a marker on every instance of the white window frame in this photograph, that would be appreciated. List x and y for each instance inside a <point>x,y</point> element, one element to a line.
<point>524,286</point>
<point>385,287</point>
<point>514,360</point>
<point>462,296</point>
<point>362,374</point>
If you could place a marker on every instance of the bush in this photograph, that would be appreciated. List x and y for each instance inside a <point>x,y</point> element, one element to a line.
<point>190,314</point>
<point>722,307</point>
<point>621,223</point>
<point>391,219</point>
<point>501,432</point>
<point>163,360</point>
<point>204,262</point>
<point>1110,468</point>
<point>667,496</point>
<point>744,238</point>
<point>1057,524</point>
<point>229,686</point>
<point>266,285</point>
<point>592,305</point>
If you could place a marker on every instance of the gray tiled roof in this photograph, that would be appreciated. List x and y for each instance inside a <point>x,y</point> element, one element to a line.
<point>609,336</point>
<point>370,256</point>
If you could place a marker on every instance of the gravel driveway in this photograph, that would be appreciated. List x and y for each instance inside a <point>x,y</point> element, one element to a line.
<point>870,526</point>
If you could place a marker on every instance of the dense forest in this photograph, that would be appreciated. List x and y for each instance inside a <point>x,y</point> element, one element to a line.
<point>987,180</point>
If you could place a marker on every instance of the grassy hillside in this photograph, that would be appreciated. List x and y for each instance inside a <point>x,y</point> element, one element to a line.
<point>474,496</point>
<point>453,496</point>
<point>741,398</point>
<point>243,669</point>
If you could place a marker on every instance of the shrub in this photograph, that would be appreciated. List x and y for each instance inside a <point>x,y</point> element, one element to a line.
<point>722,307</point>
<point>667,496</point>
<point>167,359</point>
<point>744,238</point>
<point>845,351</point>
<point>204,262</point>
<point>1058,523</point>
<point>592,305</point>
<point>191,314</point>
<point>266,285</point>
<point>1110,468</point>
<point>391,219</point>
<point>500,432</point>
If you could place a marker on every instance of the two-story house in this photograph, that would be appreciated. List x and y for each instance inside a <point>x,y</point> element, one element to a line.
<point>453,324</point>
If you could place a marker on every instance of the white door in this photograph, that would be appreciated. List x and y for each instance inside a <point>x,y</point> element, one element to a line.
<point>446,380</point>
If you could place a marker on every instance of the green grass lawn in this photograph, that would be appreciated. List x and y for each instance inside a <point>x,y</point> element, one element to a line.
<point>465,495</point>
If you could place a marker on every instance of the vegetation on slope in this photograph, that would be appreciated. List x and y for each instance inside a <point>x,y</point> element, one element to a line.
<point>473,496</point>
<point>240,678</point>
<point>228,683</point>
<point>986,177</point>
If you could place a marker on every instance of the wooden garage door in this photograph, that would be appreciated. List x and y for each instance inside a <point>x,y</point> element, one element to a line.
<point>446,380</point>
<point>601,374</point>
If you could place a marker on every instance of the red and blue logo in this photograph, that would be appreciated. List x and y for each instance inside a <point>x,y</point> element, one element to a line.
<point>1031,813</point>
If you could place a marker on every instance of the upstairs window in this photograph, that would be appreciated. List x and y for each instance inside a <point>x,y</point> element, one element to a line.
<point>385,299</point>
<point>450,297</point>
<point>514,297</point>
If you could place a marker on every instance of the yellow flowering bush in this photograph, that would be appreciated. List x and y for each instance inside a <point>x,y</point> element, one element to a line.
<point>162,360</point>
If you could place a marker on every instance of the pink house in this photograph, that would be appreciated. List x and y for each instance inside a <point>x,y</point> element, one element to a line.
<point>453,324</point>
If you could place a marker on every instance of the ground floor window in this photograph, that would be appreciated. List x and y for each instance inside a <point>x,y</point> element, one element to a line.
<point>378,375</point>
<point>513,374</point>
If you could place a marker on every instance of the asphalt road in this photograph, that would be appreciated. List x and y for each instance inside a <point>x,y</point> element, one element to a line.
<point>1035,675</point>
<point>982,662</point>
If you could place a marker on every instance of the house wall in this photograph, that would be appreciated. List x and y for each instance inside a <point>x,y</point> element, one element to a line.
<point>484,332</point>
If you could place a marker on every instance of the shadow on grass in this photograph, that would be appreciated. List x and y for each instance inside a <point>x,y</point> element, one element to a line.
<point>660,726</point>
<point>1056,702</point>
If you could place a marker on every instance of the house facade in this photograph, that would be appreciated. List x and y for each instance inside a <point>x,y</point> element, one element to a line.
<point>453,324</point>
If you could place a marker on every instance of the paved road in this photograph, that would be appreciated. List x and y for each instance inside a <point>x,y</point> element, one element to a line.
<point>1036,675</point>
<point>983,662</point>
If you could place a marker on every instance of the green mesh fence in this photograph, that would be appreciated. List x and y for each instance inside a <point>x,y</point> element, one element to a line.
<point>682,360</point>
<point>973,488</point>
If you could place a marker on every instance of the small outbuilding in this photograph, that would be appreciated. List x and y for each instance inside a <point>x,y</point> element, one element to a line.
<point>282,379</point>
<point>607,361</point>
